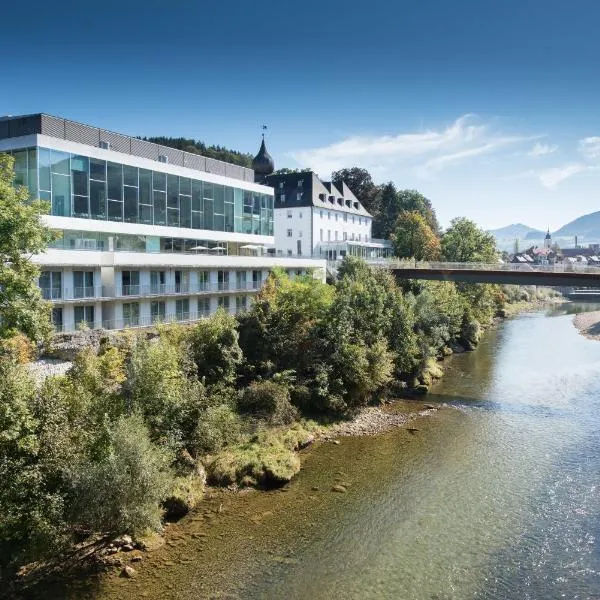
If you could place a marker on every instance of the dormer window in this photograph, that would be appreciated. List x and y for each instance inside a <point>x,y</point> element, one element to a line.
<point>300,182</point>
<point>282,198</point>
<point>299,196</point>
<point>322,197</point>
<point>341,201</point>
<point>281,185</point>
<point>331,199</point>
<point>348,204</point>
<point>356,205</point>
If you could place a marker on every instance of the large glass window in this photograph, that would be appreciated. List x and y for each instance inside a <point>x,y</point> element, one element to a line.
<point>131,283</point>
<point>83,284</point>
<point>182,309</point>
<point>157,310</point>
<point>84,316</point>
<point>88,187</point>
<point>131,314</point>
<point>50,283</point>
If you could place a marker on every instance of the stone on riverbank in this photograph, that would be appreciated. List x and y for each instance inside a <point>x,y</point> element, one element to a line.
<point>128,572</point>
<point>340,489</point>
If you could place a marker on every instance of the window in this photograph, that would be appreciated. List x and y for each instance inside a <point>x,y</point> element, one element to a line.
<point>240,280</point>
<point>321,236</point>
<point>336,216</point>
<point>182,309</point>
<point>289,252</point>
<point>223,302</point>
<point>289,214</point>
<point>203,307</point>
<point>328,215</point>
<point>300,233</point>
<point>329,235</point>
<point>57,318</point>
<point>289,233</point>
<point>83,284</point>
<point>130,283</point>
<point>241,303</point>
<point>281,185</point>
<point>300,182</point>
<point>336,236</point>
<point>158,282</point>
<point>223,279</point>
<point>353,218</point>
<point>84,316</point>
<point>182,282</point>
<point>282,198</point>
<point>257,279</point>
<point>300,214</point>
<point>157,311</point>
<point>131,314</point>
<point>299,196</point>
<point>345,217</point>
<point>345,236</point>
<point>359,236</point>
<point>203,281</point>
<point>50,283</point>
<point>321,213</point>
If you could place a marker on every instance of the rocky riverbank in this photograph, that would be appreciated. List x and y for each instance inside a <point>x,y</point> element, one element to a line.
<point>588,324</point>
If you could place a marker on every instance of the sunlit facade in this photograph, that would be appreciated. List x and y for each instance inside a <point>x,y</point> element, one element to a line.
<point>148,233</point>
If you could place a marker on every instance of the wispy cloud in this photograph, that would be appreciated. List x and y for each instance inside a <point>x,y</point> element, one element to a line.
<point>542,149</point>
<point>550,178</point>
<point>424,152</point>
<point>589,147</point>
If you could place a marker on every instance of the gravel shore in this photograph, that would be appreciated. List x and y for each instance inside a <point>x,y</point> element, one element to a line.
<point>588,324</point>
<point>374,420</point>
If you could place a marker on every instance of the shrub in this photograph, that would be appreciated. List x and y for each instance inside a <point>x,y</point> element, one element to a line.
<point>18,347</point>
<point>217,426</point>
<point>121,492</point>
<point>268,400</point>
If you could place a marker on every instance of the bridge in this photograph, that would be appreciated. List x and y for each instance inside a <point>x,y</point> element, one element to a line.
<point>559,275</point>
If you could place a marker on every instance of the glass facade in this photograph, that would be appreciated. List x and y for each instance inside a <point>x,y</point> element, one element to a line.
<point>89,188</point>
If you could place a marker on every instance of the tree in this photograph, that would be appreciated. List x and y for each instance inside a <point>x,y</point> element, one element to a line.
<point>383,224</point>
<point>411,200</point>
<point>465,242</point>
<point>414,238</point>
<point>361,184</point>
<point>22,234</point>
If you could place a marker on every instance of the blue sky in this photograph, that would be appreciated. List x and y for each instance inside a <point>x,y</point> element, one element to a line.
<point>490,108</point>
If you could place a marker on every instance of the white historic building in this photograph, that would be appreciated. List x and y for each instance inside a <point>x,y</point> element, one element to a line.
<point>314,218</point>
<point>148,233</point>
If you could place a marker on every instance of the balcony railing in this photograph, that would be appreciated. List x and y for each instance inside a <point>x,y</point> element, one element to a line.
<point>188,288</point>
<point>76,293</point>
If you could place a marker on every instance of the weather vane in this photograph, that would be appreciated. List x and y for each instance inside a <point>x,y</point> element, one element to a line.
<point>264,127</point>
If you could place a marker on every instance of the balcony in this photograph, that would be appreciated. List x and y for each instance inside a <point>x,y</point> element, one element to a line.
<point>77,293</point>
<point>184,289</point>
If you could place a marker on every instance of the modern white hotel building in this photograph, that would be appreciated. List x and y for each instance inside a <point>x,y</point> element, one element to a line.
<point>149,233</point>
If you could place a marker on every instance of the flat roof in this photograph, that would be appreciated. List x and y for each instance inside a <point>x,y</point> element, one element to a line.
<point>58,127</point>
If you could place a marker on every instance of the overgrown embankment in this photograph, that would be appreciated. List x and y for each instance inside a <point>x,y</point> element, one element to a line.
<point>143,419</point>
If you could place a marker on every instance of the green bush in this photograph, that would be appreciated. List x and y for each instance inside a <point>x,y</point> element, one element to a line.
<point>217,427</point>
<point>268,400</point>
<point>121,491</point>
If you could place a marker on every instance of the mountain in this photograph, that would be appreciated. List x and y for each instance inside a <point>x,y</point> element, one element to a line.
<point>517,231</point>
<point>587,226</point>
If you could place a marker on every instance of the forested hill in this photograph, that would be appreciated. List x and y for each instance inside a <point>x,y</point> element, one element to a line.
<point>197,147</point>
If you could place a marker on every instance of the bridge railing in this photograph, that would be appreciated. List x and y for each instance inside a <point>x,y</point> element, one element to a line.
<point>471,266</point>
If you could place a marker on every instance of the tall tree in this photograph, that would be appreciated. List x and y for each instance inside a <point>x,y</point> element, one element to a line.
<point>362,186</point>
<point>411,200</point>
<point>383,224</point>
<point>414,238</point>
<point>465,242</point>
<point>22,234</point>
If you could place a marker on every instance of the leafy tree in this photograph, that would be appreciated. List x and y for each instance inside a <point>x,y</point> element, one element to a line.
<point>215,348</point>
<point>361,184</point>
<point>411,200</point>
<point>286,171</point>
<point>21,235</point>
<point>465,242</point>
<point>413,237</point>
<point>389,209</point>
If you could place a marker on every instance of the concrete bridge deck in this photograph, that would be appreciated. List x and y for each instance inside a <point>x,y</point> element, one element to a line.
<point>559,275</point>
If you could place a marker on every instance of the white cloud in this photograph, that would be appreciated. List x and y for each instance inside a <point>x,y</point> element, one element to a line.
<point>542,149</point>
<point>424,152</point>
<point>550,178</point>
<point>590,147</point>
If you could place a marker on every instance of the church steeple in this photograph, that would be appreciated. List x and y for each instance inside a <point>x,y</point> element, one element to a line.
<point>263,163</point>
<point>548,239</point>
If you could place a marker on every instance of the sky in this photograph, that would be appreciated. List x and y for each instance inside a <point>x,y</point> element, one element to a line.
<point>489,108</point>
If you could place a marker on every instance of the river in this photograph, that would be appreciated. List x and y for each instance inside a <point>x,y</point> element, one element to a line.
<point>496,495</point>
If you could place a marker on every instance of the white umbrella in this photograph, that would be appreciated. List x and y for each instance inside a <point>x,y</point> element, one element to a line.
<point>218,248</point>
<point>250,247</point>
<point>199,248</point>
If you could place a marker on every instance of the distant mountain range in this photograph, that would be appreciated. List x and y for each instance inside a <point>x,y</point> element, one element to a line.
<point>517,231</point>
<point>586,228</point>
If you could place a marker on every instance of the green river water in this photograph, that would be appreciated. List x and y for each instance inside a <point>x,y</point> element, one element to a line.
<point>496,495</point>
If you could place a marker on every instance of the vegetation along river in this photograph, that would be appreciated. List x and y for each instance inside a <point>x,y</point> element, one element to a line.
<point>496,495</point>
